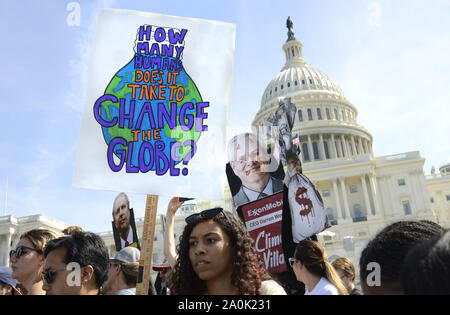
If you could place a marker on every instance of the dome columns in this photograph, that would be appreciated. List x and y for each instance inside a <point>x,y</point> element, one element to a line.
<point>326,146</point>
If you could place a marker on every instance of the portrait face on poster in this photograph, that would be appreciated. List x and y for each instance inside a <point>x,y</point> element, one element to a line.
<point>253,172</point>
<point>123,224</point>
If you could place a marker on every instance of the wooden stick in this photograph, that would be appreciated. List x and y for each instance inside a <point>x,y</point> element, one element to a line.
<point>145,261</point>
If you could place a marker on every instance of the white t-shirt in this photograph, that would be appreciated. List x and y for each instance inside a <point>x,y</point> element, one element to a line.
<point>271,287</point>
<point>323,287</point>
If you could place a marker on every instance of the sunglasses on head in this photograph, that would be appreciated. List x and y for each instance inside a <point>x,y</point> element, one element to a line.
<point>19,251</point>
<point>206,214</point>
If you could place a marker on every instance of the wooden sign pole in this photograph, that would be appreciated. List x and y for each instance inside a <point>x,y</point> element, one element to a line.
<point>148,234</point>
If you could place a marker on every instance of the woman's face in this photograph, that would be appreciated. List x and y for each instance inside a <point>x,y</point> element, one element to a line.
<point>28,264</point>
<point>210,251</point>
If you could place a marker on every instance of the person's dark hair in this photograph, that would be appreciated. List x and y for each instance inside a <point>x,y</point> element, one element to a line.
<point>248,268</point>
<point>391,245</point>
<point>312,255</point>
<point>84,248</point>
<point>426,269</point>
<point>291,156</point>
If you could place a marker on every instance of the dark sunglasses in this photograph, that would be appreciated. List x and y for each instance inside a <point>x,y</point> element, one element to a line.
<point>292,262</point>
<point>49,275</point>
<point>206,214</point>
<point>19,251</point>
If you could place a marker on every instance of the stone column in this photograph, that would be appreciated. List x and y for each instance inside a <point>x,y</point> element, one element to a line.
<point>392,206</point>
<point>322,148</point>
<point>7,248</point>
<point>310,149</point>
<point>416,201</point>
<point>374,188</point>
<point>333,147</point>
<point>361,149</point>
<point>421,181</point>
<point>355,153</point>
<point>344,144</point>
<point>366,196</point>
<point>366,148</point>
<point>336,198</point>
<point>348,216</point>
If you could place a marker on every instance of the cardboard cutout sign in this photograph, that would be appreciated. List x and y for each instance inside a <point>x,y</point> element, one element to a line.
<point>122,243</point>
<point>255,177</point>
<point>153,116</point>
<point>251,177</point>
<point>263,221</point>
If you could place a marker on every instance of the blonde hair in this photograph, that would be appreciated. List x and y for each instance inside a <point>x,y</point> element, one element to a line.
<point>312,255</point>
<point>39,239</point>
<point>345,265</point>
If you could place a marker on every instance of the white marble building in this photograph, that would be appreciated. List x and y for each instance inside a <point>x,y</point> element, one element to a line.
<point>439,189</point>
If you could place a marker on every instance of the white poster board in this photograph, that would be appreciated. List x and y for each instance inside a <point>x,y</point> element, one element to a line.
<point>157,100</point>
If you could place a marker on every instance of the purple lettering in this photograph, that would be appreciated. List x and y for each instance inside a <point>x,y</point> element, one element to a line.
<point>98,103</point>
<point>120,153</point>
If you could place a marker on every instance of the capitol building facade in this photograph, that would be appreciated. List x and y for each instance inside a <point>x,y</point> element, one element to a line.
<point>362,192</point>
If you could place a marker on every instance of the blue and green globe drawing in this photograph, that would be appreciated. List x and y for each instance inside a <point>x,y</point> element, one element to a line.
<point>119,87</point>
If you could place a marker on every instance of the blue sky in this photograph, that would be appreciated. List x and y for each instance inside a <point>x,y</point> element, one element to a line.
<point>390,58</point>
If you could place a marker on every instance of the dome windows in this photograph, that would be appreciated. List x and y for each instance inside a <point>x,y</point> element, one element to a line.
<point>305,152</point>
<point>300,115</point>
<point>310,114</point>
<point>282,86</point>
<point>289,84</point>
<point>327,111</point>
<point>296,83</point>
<point>327,153</point>
<point>335,114</point>
<point>303,82</point>
<point>315,150</point>
<point>319,114</point>
<point>276,89</point>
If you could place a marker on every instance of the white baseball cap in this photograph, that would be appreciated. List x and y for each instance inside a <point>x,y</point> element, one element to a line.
<point>127,255</point>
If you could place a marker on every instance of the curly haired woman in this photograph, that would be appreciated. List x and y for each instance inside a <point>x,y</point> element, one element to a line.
<point>217,256</point>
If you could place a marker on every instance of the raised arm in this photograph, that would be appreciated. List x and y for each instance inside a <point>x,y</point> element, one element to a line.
<point>169,240</point>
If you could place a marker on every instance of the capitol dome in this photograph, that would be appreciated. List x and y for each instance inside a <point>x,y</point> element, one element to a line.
<point>325,120</point>
<point>297,75</point>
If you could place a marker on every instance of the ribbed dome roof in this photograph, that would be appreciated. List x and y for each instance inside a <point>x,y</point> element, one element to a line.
<point>297,75</point>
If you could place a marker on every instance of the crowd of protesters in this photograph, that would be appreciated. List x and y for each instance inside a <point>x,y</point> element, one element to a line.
<point>216,255</point>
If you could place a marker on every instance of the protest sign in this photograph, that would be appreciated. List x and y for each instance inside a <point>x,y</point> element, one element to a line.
<point>158,93</point>
<point>124,224</point>
<point>263,219</point>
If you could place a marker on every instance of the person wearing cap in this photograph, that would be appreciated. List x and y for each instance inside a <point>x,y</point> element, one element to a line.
<point>123,272</point>
<point>7,283</point>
